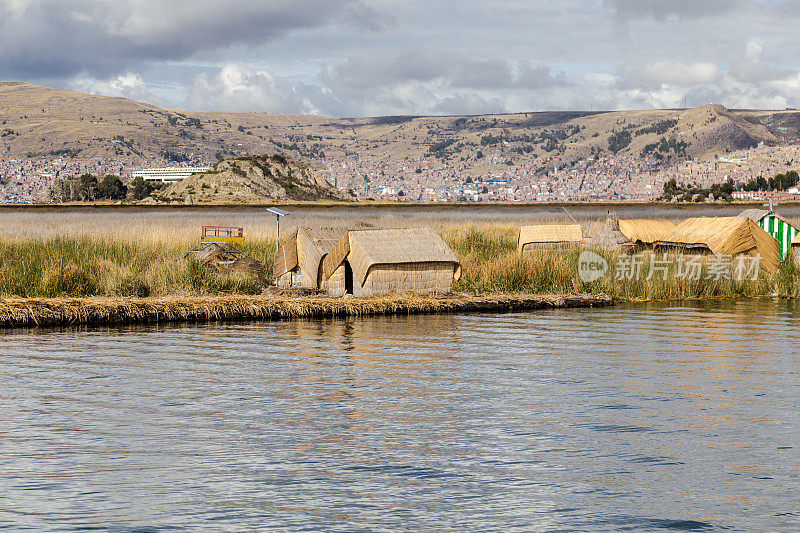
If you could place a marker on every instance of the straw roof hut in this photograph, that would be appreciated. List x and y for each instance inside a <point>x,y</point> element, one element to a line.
<point>549,236</point>
<point>372,262</point>
<point>298,262</point>
<point>610,237</point>
<point>726,236</point>
<point>646,232</point>
<point>774,224</point>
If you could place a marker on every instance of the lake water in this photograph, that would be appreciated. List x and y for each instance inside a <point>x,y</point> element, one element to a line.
<point>652,417</point>
<point>172,221</point>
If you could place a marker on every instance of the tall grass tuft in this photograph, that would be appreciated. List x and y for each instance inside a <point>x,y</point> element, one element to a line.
<point>95,266</point>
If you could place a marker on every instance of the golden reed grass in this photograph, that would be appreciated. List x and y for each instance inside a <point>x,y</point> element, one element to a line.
<point>141,260</point>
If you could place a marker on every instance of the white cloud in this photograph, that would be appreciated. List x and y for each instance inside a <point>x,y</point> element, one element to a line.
<point>412,57</point>
<point>671,9</point>
<point>673,73</point>
<point>128,85</point>
<point>237,87</point>
<point>753,51</point>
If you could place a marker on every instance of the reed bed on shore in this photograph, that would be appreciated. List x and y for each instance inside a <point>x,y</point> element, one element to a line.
<point>97,266</point>
<point>27,312</point>
<point>490,263</point>
<point>125,265</point>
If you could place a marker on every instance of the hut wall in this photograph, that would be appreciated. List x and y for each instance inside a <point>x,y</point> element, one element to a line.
<point>334,285</point>
<point>289,279</point>
<point>399,278</point>
<point>783,232</point>
<point>308,275</point>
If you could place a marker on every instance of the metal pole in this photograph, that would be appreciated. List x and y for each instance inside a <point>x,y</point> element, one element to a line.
<point>277,241</point>
<point>278,234</point>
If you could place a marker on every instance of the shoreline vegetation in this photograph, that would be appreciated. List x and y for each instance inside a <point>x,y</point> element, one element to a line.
<point>52,312</point>
<point>121,277</point>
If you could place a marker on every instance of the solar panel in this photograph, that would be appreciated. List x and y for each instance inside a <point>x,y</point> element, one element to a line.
<point>276,211</point>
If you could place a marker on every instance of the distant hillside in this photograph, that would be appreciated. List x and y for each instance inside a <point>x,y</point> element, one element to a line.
<point>38,121</point>
<point>254,179</point>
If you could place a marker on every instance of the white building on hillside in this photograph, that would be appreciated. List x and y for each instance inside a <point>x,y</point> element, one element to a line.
<point>167,174</point>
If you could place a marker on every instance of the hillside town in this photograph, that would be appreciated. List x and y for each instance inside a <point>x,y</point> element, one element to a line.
<point>26,181</point>
<point>601,178</point>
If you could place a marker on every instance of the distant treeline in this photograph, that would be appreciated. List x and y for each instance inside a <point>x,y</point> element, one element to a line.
<point>89,188</point>
<point>780,182</point>
<point>680,192</point>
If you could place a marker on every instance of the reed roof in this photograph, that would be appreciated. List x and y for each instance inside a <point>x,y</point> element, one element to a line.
<point>646,231</point>
<point>609,236</point>
<point>727,236</point>
<point>305,248</point>
<point>366,248</point>
<point>549,234</point>
<point>757,214</point>
<point>754,214</point>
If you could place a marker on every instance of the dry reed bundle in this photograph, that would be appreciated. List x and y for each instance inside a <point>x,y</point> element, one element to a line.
<point>726,236</point>
<point>30,312</point>
<point>646,231</point>
<point>610,237</point>
<point>550,234</point>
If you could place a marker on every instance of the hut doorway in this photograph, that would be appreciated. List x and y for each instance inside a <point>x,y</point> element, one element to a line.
<point>348,278</point>
<point>321,271</point>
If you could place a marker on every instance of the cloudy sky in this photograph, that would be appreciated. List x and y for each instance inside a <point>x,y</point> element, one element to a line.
<point>388,57</point>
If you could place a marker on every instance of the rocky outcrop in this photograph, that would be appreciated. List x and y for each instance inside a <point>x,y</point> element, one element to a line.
<point>254,179</point>
<point>717,130</point>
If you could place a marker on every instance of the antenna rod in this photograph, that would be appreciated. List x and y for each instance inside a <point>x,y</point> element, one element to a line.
<point>568,213</point>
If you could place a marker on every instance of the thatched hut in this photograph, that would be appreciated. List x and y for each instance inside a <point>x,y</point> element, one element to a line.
<point>549,236</point>
<point>610,237</point>
<point>645,232</point>
<point>726,236</point>
<point>298,262</point>
<point>372,262</point>
<point>774,224</point>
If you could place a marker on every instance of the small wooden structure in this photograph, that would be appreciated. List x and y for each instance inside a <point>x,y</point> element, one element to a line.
<point>548,236</point>
<point>373,262</point>
<point>223,234</point>
<point>730,236</point>
<point>226,258</point>
<point>298,262</point>
<point>645,233</point>
<point>775,225</point>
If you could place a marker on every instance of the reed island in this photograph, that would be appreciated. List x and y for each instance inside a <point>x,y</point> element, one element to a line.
<point>135,272</point>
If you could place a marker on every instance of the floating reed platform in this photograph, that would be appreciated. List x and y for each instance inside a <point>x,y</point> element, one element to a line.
<point>32,312</point>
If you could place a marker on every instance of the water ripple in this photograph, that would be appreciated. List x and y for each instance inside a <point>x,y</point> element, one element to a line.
<point>646,417</point>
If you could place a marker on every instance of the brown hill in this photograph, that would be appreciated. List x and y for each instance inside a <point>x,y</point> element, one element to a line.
<point>39,121</point>
<point>254,179</point>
